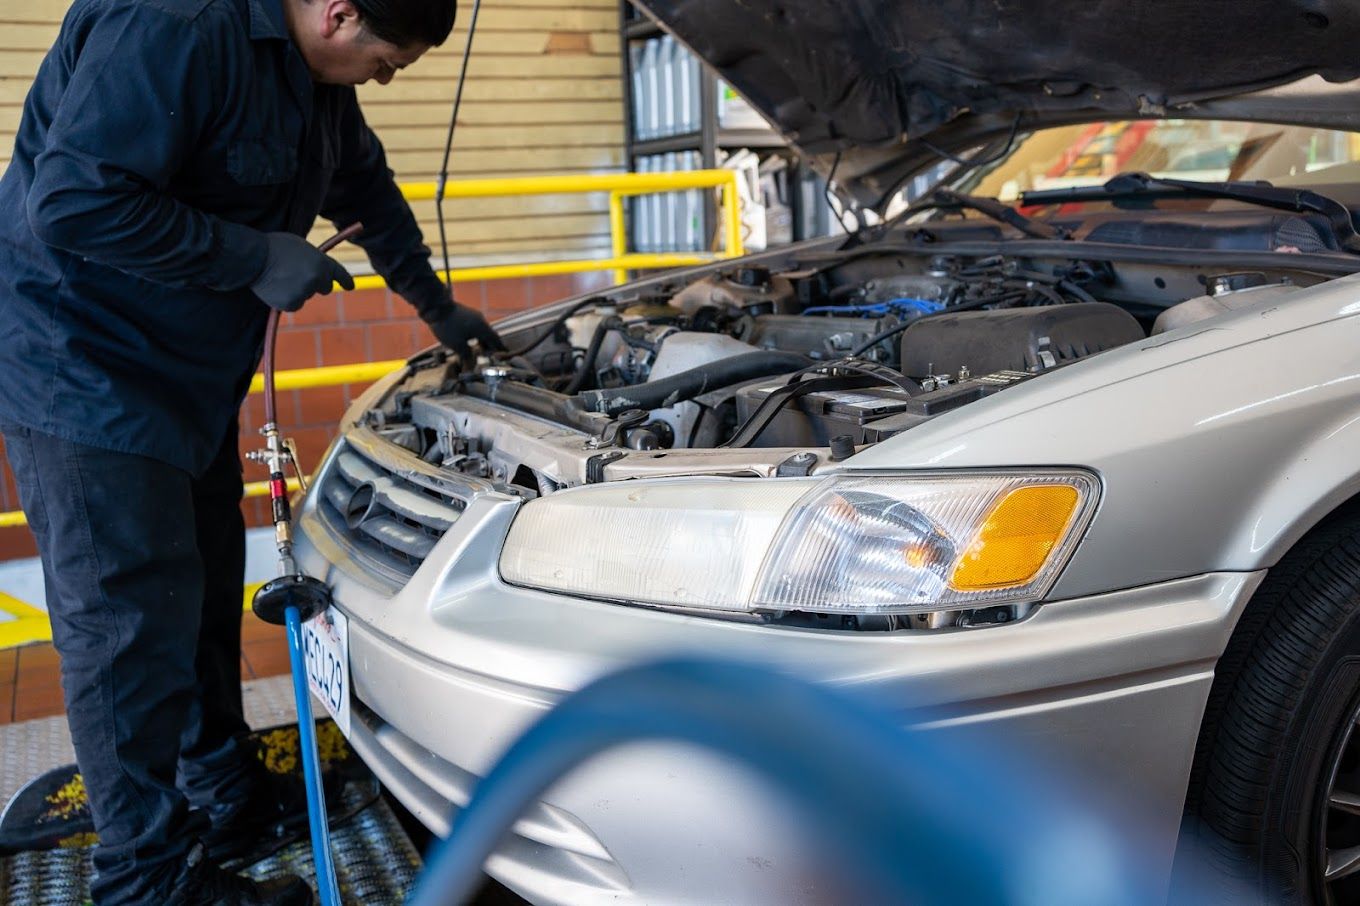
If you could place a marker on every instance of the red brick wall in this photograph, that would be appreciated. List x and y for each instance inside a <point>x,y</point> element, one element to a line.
<point>341,329</point>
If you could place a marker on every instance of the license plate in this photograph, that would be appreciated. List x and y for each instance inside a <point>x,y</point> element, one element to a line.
<point>325,647</point>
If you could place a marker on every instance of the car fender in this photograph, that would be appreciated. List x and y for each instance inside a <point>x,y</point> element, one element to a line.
<point>1218,444</point>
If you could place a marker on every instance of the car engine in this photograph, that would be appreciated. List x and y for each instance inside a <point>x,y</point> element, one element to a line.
<point>753,370</point>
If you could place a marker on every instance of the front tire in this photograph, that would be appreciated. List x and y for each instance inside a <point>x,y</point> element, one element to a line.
<point>1274,803</point>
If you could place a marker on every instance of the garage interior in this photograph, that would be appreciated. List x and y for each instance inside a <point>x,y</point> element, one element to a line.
<point>891,452</point>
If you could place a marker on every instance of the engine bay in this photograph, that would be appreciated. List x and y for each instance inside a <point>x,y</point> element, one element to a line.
<point>780,366</point>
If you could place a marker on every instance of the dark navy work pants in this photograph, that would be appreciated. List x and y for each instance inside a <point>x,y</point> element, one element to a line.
<point>144,565</point>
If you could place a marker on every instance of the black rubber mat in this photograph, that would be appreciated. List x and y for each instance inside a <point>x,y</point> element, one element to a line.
<point>47,831</point>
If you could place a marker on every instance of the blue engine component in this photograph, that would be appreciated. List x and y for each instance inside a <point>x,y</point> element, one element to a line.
<point>906,309</point>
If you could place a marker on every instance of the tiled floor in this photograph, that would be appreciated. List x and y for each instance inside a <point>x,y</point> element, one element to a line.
<point>30,679</point>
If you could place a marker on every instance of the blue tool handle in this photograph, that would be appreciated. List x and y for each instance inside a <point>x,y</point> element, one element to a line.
<point>311,765</point>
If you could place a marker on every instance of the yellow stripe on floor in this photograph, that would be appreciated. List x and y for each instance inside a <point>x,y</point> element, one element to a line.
<point>28,626</point>
<point>250,593</point>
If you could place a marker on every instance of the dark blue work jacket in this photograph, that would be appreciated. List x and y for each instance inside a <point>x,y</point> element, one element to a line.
<point>158,143</point>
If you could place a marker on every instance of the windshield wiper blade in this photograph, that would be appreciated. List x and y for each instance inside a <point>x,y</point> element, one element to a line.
<point>1143,185</point>
<point>998,211</point>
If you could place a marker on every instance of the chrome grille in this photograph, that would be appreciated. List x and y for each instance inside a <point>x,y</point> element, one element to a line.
<point>389,505</point>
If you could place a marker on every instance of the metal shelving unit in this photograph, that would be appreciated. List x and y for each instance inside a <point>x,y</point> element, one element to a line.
<point>709,139</point>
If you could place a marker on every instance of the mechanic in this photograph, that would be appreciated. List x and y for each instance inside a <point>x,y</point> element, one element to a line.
<point>171,156</point>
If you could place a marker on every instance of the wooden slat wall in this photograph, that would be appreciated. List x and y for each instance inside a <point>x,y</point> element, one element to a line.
<point>543,96</point>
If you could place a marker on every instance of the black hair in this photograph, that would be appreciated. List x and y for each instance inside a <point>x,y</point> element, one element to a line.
<point>407,22</point>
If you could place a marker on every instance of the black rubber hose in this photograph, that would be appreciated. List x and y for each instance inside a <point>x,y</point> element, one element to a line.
<point>1075,290</point>
<point>587,370</point>
<point>544,403</point>
<point>689,384</point>
<point>554,326</point>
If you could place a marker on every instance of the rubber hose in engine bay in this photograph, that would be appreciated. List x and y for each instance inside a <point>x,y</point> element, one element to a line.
<point>590,410</point>
<point>694,382</point>
<point>586,371</point>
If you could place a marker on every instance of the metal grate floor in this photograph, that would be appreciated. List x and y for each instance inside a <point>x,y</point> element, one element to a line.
<point>375,861</point>
<point>30,748</point>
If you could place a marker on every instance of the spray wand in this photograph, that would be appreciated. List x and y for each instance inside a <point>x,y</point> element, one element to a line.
<point>294,598</point>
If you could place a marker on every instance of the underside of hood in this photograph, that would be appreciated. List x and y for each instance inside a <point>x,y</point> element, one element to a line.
<point>871,79</point>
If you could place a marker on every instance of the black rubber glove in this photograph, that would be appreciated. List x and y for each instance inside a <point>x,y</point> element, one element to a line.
<point>454,325</point>
<point>295,271</point>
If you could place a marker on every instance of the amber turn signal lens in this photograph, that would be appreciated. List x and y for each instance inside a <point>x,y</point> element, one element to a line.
<point>1016,538</point>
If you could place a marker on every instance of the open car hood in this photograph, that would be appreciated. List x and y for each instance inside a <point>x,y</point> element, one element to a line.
<point>879,81</point>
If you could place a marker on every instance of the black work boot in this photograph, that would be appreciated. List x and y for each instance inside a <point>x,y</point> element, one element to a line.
<point>274,812</point>
<point>202,883</point>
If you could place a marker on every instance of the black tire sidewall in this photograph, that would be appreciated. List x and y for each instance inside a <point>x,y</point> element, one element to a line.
<point>1297,791</point>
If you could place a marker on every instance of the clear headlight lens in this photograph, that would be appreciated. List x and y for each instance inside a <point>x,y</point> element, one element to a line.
<point>845,544</point>
<point>692,543</point>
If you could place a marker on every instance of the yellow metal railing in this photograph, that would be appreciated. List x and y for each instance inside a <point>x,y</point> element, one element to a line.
<point>328,375</point>
<point>619,186</point>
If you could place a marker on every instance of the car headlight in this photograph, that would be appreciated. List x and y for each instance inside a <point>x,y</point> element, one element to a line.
<point>846,544</point>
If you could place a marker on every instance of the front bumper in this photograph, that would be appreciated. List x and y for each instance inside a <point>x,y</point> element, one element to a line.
<point>450,669</point>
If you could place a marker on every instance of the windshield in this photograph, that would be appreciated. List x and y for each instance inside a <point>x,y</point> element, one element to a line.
<point>1207,150</point>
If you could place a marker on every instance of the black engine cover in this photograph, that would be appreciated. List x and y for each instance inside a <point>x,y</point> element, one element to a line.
<point>1015,339</point>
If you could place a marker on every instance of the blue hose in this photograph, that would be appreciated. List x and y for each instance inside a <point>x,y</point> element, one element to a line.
<point>311,766</point>
<point>956,816</point>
